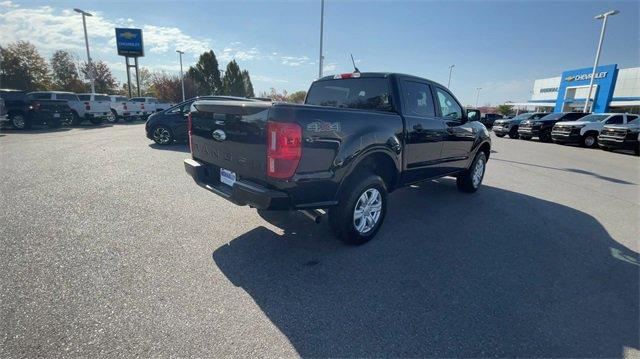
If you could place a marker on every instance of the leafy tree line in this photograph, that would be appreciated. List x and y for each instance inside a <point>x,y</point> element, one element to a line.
<point>22,67</point>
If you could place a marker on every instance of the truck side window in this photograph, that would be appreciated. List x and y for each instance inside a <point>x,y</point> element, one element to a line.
<point>417,99</point>
<point>615,120</point>
<point>448,105</point>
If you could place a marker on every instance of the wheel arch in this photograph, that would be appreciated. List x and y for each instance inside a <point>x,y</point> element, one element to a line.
<point>378,161</point>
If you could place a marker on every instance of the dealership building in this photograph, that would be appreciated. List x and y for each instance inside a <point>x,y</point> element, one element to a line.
<point>614,90</point>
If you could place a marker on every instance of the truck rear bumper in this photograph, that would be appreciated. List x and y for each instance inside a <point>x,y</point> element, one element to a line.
<point>242,193</point>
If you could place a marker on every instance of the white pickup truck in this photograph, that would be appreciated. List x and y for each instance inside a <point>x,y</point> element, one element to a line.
<point>585,130</point>
<point>151,105</point>
<point>123,108</point>
<point>80,110</point>
<point>97,105</point>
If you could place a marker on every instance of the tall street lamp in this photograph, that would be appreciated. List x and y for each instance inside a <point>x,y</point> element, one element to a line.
<point>321,33</point>
<point>603,17</point>
<point>449,82</point>
<point>181,75</point>
<point>478,95</point>
<point>86,42</point>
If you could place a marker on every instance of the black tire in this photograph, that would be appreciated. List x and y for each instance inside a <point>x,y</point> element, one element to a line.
<point>113,118</point>
<point>342,217</point>
<point>54,123</point>
<point>75,119</point>
<point>637,149</point>
<point>545,136</point>
<point>513,133</point>
<point>20,121</point>
<point>96,120</point>
<point>500,135</point>
<point>589,140</point>
<point>466,180</point>
<point>162,135</point>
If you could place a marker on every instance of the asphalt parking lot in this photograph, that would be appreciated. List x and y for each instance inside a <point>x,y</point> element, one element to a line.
<point>110,249</point>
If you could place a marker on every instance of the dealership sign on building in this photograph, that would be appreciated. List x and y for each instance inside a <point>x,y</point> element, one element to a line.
<point>129,42</point>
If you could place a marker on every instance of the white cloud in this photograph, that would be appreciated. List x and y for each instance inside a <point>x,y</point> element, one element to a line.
<point>262,78</point>
<point>7,4</point>
<point>295,60</point>
<point>232,52</point>
<point>331,66</point>
<point>161,39</point>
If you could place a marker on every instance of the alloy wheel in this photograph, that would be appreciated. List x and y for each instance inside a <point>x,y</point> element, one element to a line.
<point>367,211</point>
<point>161,135</point>
<point>478,172</point>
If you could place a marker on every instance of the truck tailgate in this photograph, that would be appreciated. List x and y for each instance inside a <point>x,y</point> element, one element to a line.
<point>231,135</point>
<point>100,107</point>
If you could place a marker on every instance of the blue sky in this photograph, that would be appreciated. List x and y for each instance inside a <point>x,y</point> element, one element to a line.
<point>501,46</point>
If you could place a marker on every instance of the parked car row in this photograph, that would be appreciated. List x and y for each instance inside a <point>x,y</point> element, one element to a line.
<point>607,130</point>
<point>56,108</point>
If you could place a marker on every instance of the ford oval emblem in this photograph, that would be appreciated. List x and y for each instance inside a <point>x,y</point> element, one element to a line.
<point>219,135</point>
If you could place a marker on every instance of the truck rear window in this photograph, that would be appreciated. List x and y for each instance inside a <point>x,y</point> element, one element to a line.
<point>101,98</point>
<point>360,93</point>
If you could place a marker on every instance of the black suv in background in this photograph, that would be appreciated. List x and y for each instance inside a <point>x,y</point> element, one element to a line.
<point>542,127</point>
<point>488,119</point>
<point>17,105</point>
<point>621,137</point>
<point>170,125</point>
<point>509,126</point>
<point>24,110</point>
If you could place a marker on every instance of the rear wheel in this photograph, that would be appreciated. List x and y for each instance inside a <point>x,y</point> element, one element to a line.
<point>162,135</point>
<point>361,210</point>
<point>513,133</point>
<point>75,119</point>
<point>589,140</point>
<point>470,180</point>
<point>113,117</point>
<point>20,122</point>
<point>500,134</point>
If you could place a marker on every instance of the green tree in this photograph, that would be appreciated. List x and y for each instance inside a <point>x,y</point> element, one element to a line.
<point>65,72</point>
<point>505,110</point>
<point>297,97</point>
<point>274,95</point>
<point>104,80</point>
<point>248,86</point>
<point>23,68</point>
<point>206,74</point>
<point>233,82</point>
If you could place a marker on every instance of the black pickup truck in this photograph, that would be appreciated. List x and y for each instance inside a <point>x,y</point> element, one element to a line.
<point>358,137</point>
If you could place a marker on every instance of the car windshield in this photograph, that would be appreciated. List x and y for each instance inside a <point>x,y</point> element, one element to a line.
<point>522,116</point>
<point>360,93</point>
<point>84,97</point>
<point>102,98</point>
<point>553,116</point>
<point>593,118</point>
<point>634,122</point>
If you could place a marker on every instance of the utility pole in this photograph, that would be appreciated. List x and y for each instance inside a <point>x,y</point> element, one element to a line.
<point>91,71</point>
<point>321,35</point>
<point>181,75</point>
<point>604,18</point>
<point>449,82</point>
<point>478,95</point>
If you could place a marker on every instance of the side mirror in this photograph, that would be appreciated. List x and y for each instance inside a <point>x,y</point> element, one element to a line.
<point>473,115</point>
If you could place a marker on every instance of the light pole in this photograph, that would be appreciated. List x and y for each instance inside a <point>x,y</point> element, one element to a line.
<point>321,33</point>
<point>449,82</point>
<point>181,75</point>
<point>604,18</point>
<point>478,95</point>
<point>86,42</point>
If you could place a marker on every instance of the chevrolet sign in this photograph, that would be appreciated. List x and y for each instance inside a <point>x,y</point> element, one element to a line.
<point>599,75</point>
<point>129,42</point>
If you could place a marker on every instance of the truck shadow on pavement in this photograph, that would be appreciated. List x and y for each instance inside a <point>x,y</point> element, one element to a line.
<point>496,273</point>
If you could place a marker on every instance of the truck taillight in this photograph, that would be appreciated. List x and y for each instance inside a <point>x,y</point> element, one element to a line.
<point>284,149</point>
<point>87,106</point>
<point>189,131</point>
<point>142,106</point>
<point>124,106</point>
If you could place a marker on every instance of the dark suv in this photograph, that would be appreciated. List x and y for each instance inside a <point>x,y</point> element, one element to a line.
<point>542,127</point>
<point>17,106</point>
<point>509,126</point>
<point>489,118</point>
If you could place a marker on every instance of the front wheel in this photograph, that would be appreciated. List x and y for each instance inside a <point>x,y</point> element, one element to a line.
<point>162,135</point>
<point>500,135</point>
<point>113,117</point>
<point>470,180</point>
<point>514,133</point>
<point>589,140</point>
<point>545,136</point>
<point>361,210</point>
<point>20,122</point>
